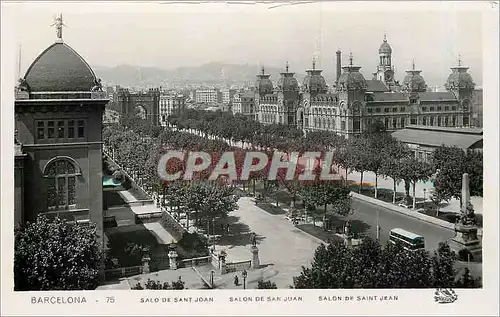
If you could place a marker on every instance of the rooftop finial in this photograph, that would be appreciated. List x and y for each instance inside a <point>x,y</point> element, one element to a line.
<point>262,70</point>
<point>314,62</point>
<point>385,37</point>
<point>350,59</point>
<point>459,60</point>
<point>413,64</point>
<point>58,23</point>
<point>286,67</point>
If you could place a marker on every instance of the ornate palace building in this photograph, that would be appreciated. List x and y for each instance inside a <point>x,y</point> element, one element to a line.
<point>355,102</point>
<point>59,105</point>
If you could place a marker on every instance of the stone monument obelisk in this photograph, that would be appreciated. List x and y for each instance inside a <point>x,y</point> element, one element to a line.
<point>465,228</point>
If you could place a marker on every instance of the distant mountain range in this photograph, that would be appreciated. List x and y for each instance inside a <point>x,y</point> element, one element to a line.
<point>211,73</point>
<point>214,73</point>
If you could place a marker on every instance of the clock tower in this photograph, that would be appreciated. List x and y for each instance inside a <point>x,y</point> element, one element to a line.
<point>385,70</point>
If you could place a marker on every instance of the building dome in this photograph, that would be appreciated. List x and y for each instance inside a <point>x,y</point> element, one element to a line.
<point>288,83</point>
<point>60,68</point>
<point>385,48</point>
<point>263,84</point>
<point>351,78</point>
<point>414,82</point>
<point>314,81</point>
<point>460,79</point>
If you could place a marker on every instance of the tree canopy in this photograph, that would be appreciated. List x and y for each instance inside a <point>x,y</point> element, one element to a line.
<point>56,255</point>
<point>374,266</point>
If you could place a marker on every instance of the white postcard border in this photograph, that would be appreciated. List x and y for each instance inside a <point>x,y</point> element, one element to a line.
<point>415,302</point>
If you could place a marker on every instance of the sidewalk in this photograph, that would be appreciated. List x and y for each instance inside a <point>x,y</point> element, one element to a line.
<point>387,183</point>
<point>408,212</point>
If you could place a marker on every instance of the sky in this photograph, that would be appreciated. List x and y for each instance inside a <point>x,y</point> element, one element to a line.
<point>177,35</point>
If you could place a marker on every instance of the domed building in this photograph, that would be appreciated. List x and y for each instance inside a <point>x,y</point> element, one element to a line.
<point>351,78</point>
<point>385,69</point>
<point>287,82</point>
<point>264,85</point>
<point>385,48</point>
<point>459,79</point>
<point>280,106</point>
<point>58,165</point>
<point>413,81</point>
<point>356,102</point>
<point>314,82</point>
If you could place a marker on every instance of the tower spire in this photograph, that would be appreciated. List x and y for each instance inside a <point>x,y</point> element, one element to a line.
<point>413,64</point>
<point>314,63</point>
<point>459,60</point>
<point>263,70</point>
<point>286,66</point>
<point>58,23</point>
<point>385,37</point>
<point>350,59</point>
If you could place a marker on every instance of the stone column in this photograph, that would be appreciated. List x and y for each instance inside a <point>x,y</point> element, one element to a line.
<point>255,258</point>
<point>145,264</point>
<point>465,191</point>
<point>223,265</point>
<point>172,255</point>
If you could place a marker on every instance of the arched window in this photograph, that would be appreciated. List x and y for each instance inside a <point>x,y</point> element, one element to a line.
<point>60,175</point>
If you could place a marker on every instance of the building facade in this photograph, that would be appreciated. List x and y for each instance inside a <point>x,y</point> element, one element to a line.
<point>145,104</point>
<point>354,102</point>
<point>423,140</point>
<point>227,95</point>
<point>207,95</point>
<point>59,107</point>
<point>477,108</point>
<point>171,104</point>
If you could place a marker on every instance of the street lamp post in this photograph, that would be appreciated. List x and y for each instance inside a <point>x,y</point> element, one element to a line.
<point>424,195</point>
<point>212,278</point>
<point>378,225</point>
<point>244,274</point>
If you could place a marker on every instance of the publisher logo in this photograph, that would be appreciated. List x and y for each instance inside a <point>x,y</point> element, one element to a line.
<point>445,296</point>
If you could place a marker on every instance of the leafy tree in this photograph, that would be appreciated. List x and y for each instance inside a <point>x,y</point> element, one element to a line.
<point>157,285</point>
<point>266,285</point>
<point>360,157</point>
<point>467,281</point>
<point>393,169</point>
<point>437,196</point>
<point>376,127</point>
<point>413,171</point>
<point>443,266</point>
<point>474,161</point>
<point>452,163</point>
<point>373,266</point>
<point>56,255</point>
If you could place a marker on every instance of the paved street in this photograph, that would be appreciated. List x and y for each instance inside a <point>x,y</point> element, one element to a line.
<point>367,213</point>
<point>279,242</point>
<point>287,247</point>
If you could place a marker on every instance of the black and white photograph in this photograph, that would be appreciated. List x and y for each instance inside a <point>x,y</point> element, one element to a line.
<point>230,156</point>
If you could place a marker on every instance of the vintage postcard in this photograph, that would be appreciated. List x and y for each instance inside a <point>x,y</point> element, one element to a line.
<point>250,158</point>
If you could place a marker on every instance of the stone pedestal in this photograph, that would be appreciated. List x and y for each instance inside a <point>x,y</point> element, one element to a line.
<point>348,240</point>
<point>145,264</point>
<point>465,229</point>
<point>466,238</point>
<point>172,256</point>
<point>223,269</point>
<point>255,258</point>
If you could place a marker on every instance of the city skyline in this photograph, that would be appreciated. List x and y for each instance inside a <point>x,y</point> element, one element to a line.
<point>291,33</point>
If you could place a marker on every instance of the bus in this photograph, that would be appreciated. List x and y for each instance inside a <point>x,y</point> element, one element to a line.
<point>409,240</point>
